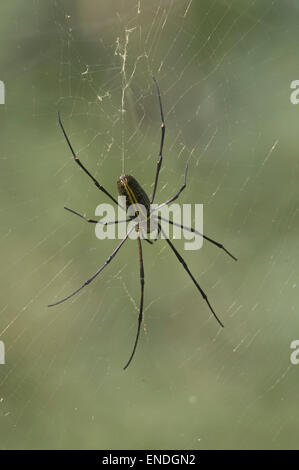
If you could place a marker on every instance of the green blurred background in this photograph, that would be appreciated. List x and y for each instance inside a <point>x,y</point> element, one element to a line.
<point>224,68</point>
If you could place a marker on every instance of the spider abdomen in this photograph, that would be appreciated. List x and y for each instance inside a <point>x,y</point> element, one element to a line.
<point>135,195</point>
<point>129,187</point>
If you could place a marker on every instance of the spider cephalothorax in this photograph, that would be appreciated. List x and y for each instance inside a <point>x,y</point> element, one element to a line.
<point>137,198</point>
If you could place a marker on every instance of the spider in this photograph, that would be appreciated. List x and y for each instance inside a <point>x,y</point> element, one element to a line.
<point>129,187</point>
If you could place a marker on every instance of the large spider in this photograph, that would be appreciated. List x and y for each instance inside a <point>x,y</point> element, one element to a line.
<point>130,188</point>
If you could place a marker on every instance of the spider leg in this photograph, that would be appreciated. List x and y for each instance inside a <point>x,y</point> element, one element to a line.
<point>98,185</point>
<point>158,231</point>
<point>140,317</point>
<point>88,281</point>
<point>173,198</point>
<point>183,262</point>
<point>159,162</point>
<point>93,221</point>
<point>191,229</point>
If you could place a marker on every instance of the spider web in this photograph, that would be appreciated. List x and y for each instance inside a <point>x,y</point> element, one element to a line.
<point>224,69</point>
